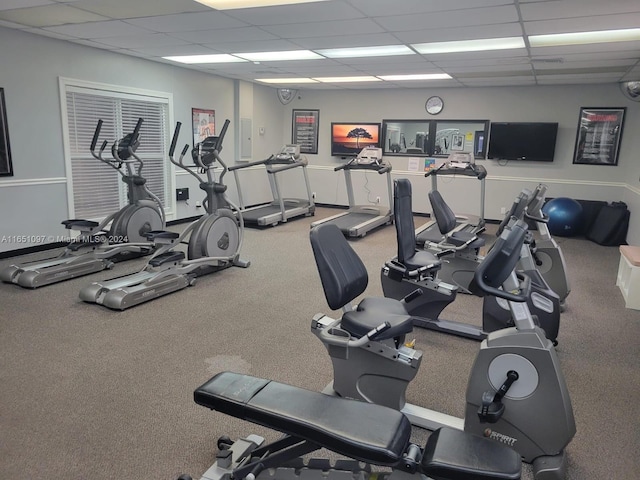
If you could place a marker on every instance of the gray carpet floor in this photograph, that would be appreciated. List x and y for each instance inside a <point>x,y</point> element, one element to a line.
<point>89,393</point>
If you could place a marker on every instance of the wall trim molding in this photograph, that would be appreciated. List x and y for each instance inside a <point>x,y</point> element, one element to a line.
<point>29,182</point>
<point>635,190</point>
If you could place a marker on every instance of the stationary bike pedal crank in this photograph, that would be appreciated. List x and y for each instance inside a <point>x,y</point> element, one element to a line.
<point>492,407</point>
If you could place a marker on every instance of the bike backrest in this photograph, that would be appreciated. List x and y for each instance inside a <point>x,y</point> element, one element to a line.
<point>445,218</point>
<point>403,216</point>
<point>342,273</point>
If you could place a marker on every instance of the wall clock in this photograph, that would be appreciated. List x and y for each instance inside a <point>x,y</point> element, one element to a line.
<point>434,105</point>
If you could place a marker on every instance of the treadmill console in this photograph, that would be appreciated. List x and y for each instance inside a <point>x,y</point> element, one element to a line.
<point>289,152</point>
<point>369,155</point>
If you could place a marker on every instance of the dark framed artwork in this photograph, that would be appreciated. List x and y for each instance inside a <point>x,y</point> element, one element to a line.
<point>6,167</point>
<point>204,124</point>
<point>599,135</point>
<point>304,130</point>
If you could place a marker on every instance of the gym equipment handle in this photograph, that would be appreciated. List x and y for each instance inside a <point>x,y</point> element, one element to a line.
<point>222,134</point>
<point>136,130</point>
<point>172,148</point>
<point>96,134</point>
<point>492,407</point>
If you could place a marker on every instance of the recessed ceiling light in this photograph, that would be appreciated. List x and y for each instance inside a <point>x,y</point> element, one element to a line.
<point>380,51</point>
<point>286,80</point>
<point>346,79</point>
<point>470,45</point>
<point>217,58</point>
<point>417,76</point>
<point>276,56</point>
<point>233,4</point>
<point>581,38</point>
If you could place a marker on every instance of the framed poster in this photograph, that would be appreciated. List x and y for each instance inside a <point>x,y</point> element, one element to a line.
<point>6,167</point>
<point>204,124</point>
<point>457,143</point>
<point>304,131</point>
<point>598,136</point>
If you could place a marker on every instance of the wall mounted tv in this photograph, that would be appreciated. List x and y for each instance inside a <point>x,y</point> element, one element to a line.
<point>535,141</point>
<point>347,139</point>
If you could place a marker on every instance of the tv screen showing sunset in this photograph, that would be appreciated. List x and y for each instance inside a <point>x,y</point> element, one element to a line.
<point>350,138</point>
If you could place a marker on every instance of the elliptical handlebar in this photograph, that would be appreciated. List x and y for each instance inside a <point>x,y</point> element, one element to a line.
<point>174,140</point>
<point>96,134</point>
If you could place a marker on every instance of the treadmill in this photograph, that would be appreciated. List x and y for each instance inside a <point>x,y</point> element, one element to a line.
<point>429,232</point>
<point>280,209</point>
<point>360,219</point>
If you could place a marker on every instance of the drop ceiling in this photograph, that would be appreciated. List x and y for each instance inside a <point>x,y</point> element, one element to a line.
<point>152,29</point>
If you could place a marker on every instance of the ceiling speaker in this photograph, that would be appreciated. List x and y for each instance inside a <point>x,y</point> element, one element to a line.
<point>631,90</point>
<point>286,95</point>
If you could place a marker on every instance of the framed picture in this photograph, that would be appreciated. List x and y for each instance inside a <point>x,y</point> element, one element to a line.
<point>204,124</point>
<point>598,137</point>
<point>304,130</point>
<point>457,143</point>
<point>6,167</point>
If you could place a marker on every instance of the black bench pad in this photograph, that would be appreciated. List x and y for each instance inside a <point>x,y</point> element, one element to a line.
<point>370,433</point>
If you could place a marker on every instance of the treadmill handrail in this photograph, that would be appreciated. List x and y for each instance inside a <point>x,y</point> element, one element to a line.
<point>281,168</point>
<point>240,166</point>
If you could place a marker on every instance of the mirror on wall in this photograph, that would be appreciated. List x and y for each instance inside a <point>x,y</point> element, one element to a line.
<point>405,137</point>
<point>461,136</point>
<point>437,138</point>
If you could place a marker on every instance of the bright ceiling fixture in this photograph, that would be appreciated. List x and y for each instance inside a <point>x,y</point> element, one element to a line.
<point>415,76</point>
<point>286,80</point>
<point>347,79</point>
<point>380,51</point>
<point>470,45</point>
<point>217,58</point>
<point>581,38</point>
<point>279,56</point>
<point>233,4</point>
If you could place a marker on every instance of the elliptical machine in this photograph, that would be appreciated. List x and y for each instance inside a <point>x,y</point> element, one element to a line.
<point>414,269</point>
<point>214,240</point>
<point>118,237</point>
<point>516,392</point>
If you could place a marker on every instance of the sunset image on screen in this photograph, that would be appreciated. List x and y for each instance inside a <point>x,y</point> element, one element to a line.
<point>350,138</point>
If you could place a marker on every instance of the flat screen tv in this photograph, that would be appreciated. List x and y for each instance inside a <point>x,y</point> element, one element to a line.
<point>523,141</point>
<point>347,139</point>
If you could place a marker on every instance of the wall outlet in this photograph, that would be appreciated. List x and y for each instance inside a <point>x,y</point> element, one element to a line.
<point>313,195</point>
<point>198,204</point>
<point>377,200</point>
<point>503,210</point>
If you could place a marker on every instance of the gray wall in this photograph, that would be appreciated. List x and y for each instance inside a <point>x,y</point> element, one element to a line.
<point>34,200</point>
<point>531,104</point>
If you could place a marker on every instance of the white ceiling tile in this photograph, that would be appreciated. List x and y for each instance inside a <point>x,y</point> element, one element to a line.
<point>472,62</point>
<point>188,22</point>
<point>294,14</point>
<point>456,19</point>
<point>322,29</point>
<point>139,8</point>
<point>569,79</point>
<point>382,8</point>
<point>497,81</point>
<point>583,24</point>
<point>498,70</point>
<point>226,35</point>
<point>11,4</point>
<point>46,33</point>
<point>48,15</point>
<point>174,50</point>
<point>496,54</point>
<point>575,8</point>
<point>617,64</point>
<point>474,32</point>
<point>18,26</point>
<point>110,28</point>
<point>349,40</point>
<point>91,43</point>
<point>255,46</point>
<point>138,41</point>
<point>598,48</point>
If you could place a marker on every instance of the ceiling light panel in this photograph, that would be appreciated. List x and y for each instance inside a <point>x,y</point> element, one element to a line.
<point>362,78</point>
<point>216,58</point>
<point>470,45</point>
<point>380,51</point>
<point>416,76</point>
<point>283,81</point>
<point>279,56</point>
<point>236,4</point>
<point>583,38</point>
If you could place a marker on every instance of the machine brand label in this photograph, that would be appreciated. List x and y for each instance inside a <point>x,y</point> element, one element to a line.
<point>148,292</point>
<point>499,437</point>
<point>61,274</point>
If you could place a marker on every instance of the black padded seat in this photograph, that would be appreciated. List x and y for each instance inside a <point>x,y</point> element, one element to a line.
<point>363,431</point>
<point>79,223</point>
<point>446,221</point>
<point>454,455</point>
<point>344,277</point>
<point>408,255</point>
<point>460,238</point>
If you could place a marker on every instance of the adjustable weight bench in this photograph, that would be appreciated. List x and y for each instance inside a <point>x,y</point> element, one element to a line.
<point>369,433</point>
